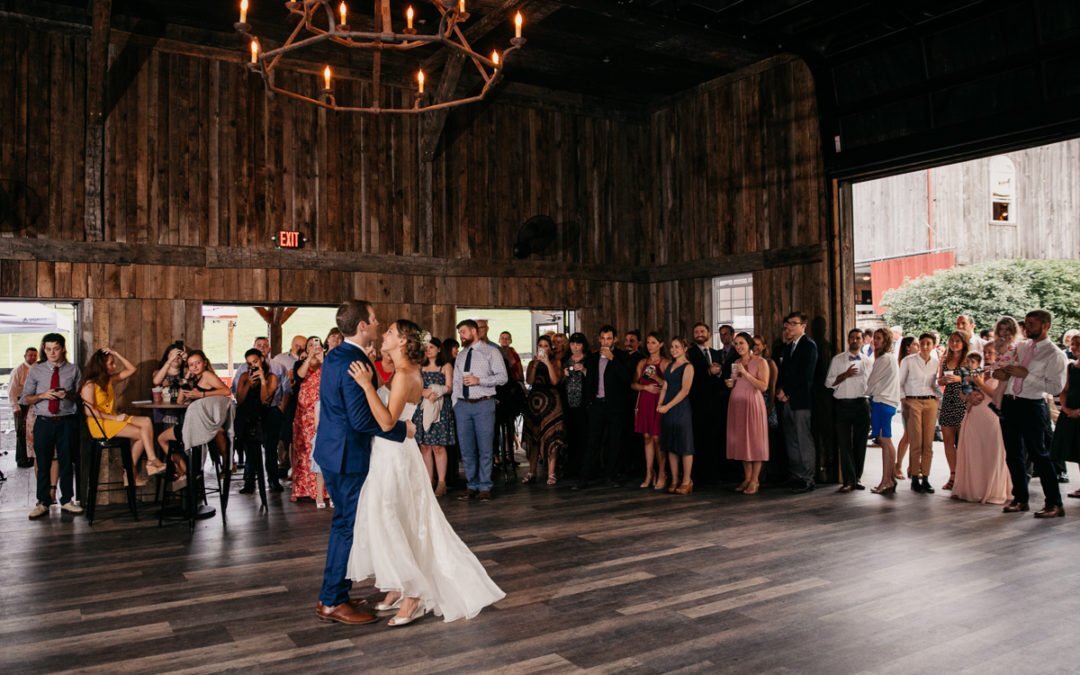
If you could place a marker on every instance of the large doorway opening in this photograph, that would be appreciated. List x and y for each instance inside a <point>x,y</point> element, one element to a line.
<point>524,325</point>
<point>985,237</point>
<point>230,330</point>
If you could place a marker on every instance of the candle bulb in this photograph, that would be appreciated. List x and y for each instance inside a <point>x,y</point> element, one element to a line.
<point>495,58</point>
<point>254,51</point>
<point>420,80</point>
<point>409,17</point>
<point>326,77</point>
<point>461,6</point>
<point>243,11</point>
<point>343,8</point>
<point>518,20</point>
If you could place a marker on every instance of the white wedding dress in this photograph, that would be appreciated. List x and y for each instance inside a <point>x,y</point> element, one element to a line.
<point>403,540</point>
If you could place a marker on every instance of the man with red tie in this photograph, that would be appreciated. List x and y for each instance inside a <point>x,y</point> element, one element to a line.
<point>52,389</point>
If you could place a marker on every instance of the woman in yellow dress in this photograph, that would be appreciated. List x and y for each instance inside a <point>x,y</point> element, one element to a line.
<point>106,368</point>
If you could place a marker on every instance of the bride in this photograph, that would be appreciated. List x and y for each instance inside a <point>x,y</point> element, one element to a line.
<point>402,538</point>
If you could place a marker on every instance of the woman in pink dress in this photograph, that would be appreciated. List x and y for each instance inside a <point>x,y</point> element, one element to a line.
<point>647,383</point>
<point>305,483</point>
<point>748,419</point>
<point>981,473</point>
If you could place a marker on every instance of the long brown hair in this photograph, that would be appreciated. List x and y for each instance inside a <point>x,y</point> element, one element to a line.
<point>963,352</point>
<point>886,342</point>
<point>97,369</point>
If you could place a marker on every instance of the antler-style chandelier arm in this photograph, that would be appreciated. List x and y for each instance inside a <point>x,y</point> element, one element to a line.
<point>382,37</point>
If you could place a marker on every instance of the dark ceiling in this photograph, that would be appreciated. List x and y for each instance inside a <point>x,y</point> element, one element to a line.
<point>885,70</point>
<point>622,50</point>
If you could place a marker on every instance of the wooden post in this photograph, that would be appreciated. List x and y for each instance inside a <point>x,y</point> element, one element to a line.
<point>96,67</point>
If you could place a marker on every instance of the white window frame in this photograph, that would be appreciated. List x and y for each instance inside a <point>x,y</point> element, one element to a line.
<point>732,303</point>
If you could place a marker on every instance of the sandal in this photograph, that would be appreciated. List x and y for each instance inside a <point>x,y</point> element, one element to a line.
<point>949,485</point>
<point>551,479</point>
<point>529,478</point>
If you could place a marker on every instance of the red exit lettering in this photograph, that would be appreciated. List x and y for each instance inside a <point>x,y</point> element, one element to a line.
<point>289,239</point>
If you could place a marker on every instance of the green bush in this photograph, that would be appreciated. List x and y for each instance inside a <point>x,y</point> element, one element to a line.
<point>987,291</point>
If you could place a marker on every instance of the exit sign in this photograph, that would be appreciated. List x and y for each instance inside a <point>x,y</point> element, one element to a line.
<point>290,239</point>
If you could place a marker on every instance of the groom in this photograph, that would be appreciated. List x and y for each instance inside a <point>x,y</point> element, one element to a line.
<point>343,452</point>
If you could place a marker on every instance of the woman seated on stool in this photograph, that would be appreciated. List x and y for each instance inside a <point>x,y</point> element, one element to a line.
<point>201,383</point>
<point>107,367</point>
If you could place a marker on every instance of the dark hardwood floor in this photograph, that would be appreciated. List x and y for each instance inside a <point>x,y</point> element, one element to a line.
<point>608,580</point>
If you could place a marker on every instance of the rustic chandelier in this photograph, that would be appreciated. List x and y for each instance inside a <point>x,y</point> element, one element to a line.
<point>319,23</point>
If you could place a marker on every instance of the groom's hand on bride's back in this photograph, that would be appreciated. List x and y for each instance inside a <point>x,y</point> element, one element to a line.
<point>410,429</point>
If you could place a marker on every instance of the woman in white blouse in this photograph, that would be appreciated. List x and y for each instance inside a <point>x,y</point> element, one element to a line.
<point>883,388</point>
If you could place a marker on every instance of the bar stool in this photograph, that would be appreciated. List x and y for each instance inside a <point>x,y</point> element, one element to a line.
<point>97,447</point>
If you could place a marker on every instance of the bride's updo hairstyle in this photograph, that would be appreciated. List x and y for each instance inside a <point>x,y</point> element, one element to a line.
<point>414,347</point>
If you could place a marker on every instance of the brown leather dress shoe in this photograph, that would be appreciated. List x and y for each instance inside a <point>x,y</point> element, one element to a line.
<point>1015,507</point>
<point>1051,512</point>
<point>484,496</point>
<point>345,613</point>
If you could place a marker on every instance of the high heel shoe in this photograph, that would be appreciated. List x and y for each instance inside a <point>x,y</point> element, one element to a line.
<point>662,485</point>
<point>389,606</point>
<point>529,478</point>
<point>154,468</point>
<point>887,490</point>
<point>648,483</point>
<point>752,489</point>
<point>742,486</point>
<point>685,489</point>
<point>672,488</point>
<point>949,485</point>
<point>440,489</point>
<point>552,480</point>
<point>417,613</point>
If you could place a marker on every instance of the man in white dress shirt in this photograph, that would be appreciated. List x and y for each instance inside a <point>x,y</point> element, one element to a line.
<point>1038,368</point>
<point>848,373</point>
<point>919,392</point>
<point>965,324</point>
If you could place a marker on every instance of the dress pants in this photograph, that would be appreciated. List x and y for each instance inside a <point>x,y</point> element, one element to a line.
<point>344,489</point>
<point>799,441</point>
<point>606,431</point>
<point>476,438</point>
<point>21,457</point>
<point>270,435</point>
<point>852,427</point>
<point>920,420</point>
<point>55,437</point>
<point>1023,425</point>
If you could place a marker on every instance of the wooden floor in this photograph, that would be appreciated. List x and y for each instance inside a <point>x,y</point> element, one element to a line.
<point>609,580</point>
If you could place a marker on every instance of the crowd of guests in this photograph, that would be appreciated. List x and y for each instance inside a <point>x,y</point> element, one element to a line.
<point>603,412</point>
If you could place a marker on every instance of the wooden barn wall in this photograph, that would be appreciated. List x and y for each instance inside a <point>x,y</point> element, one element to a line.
<point>197,156</point>
<point>740,172</point>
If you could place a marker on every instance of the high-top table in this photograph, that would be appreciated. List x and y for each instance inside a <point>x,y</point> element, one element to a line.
<point>196,491</point>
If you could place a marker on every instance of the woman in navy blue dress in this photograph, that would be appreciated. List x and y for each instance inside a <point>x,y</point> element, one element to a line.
<point>676,423</point>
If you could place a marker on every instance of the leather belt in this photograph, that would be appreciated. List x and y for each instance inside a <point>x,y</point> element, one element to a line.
<point>477,400</point>
<point>921,398</point>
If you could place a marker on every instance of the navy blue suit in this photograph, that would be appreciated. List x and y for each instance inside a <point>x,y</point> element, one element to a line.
<point>343,452</point>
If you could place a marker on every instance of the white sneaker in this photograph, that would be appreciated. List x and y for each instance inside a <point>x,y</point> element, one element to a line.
<point>39,511</point>
<point>72,508</point>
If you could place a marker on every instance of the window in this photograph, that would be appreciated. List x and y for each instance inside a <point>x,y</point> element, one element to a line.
<point>1002,190</point>
<point>733,302</point>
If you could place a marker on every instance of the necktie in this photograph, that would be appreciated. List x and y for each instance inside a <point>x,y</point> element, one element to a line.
<point>708,355</point>
<point>54,404</point>
<point>853,358</point>
<point>468,365</point>
<point>1018,384</point>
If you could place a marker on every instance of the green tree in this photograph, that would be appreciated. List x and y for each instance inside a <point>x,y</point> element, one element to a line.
<point>988,291</point>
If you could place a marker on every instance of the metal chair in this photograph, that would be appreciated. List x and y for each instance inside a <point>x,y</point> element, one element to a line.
<point>97,447</point>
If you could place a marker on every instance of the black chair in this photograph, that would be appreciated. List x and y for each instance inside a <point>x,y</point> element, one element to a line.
<point>97,447</point>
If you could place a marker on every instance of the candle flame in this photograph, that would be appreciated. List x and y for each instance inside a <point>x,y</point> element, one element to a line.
<point>495,57</point>
<point>420,80</point>
<point>254,51</point>
<point>409,16</point>
<point>518,21</point>
<point>326,76</point>
<point>243,11</point>
<point>344,9</point>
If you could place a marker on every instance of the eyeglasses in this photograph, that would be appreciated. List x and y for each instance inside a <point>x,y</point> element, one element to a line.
<point>793,323</point>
